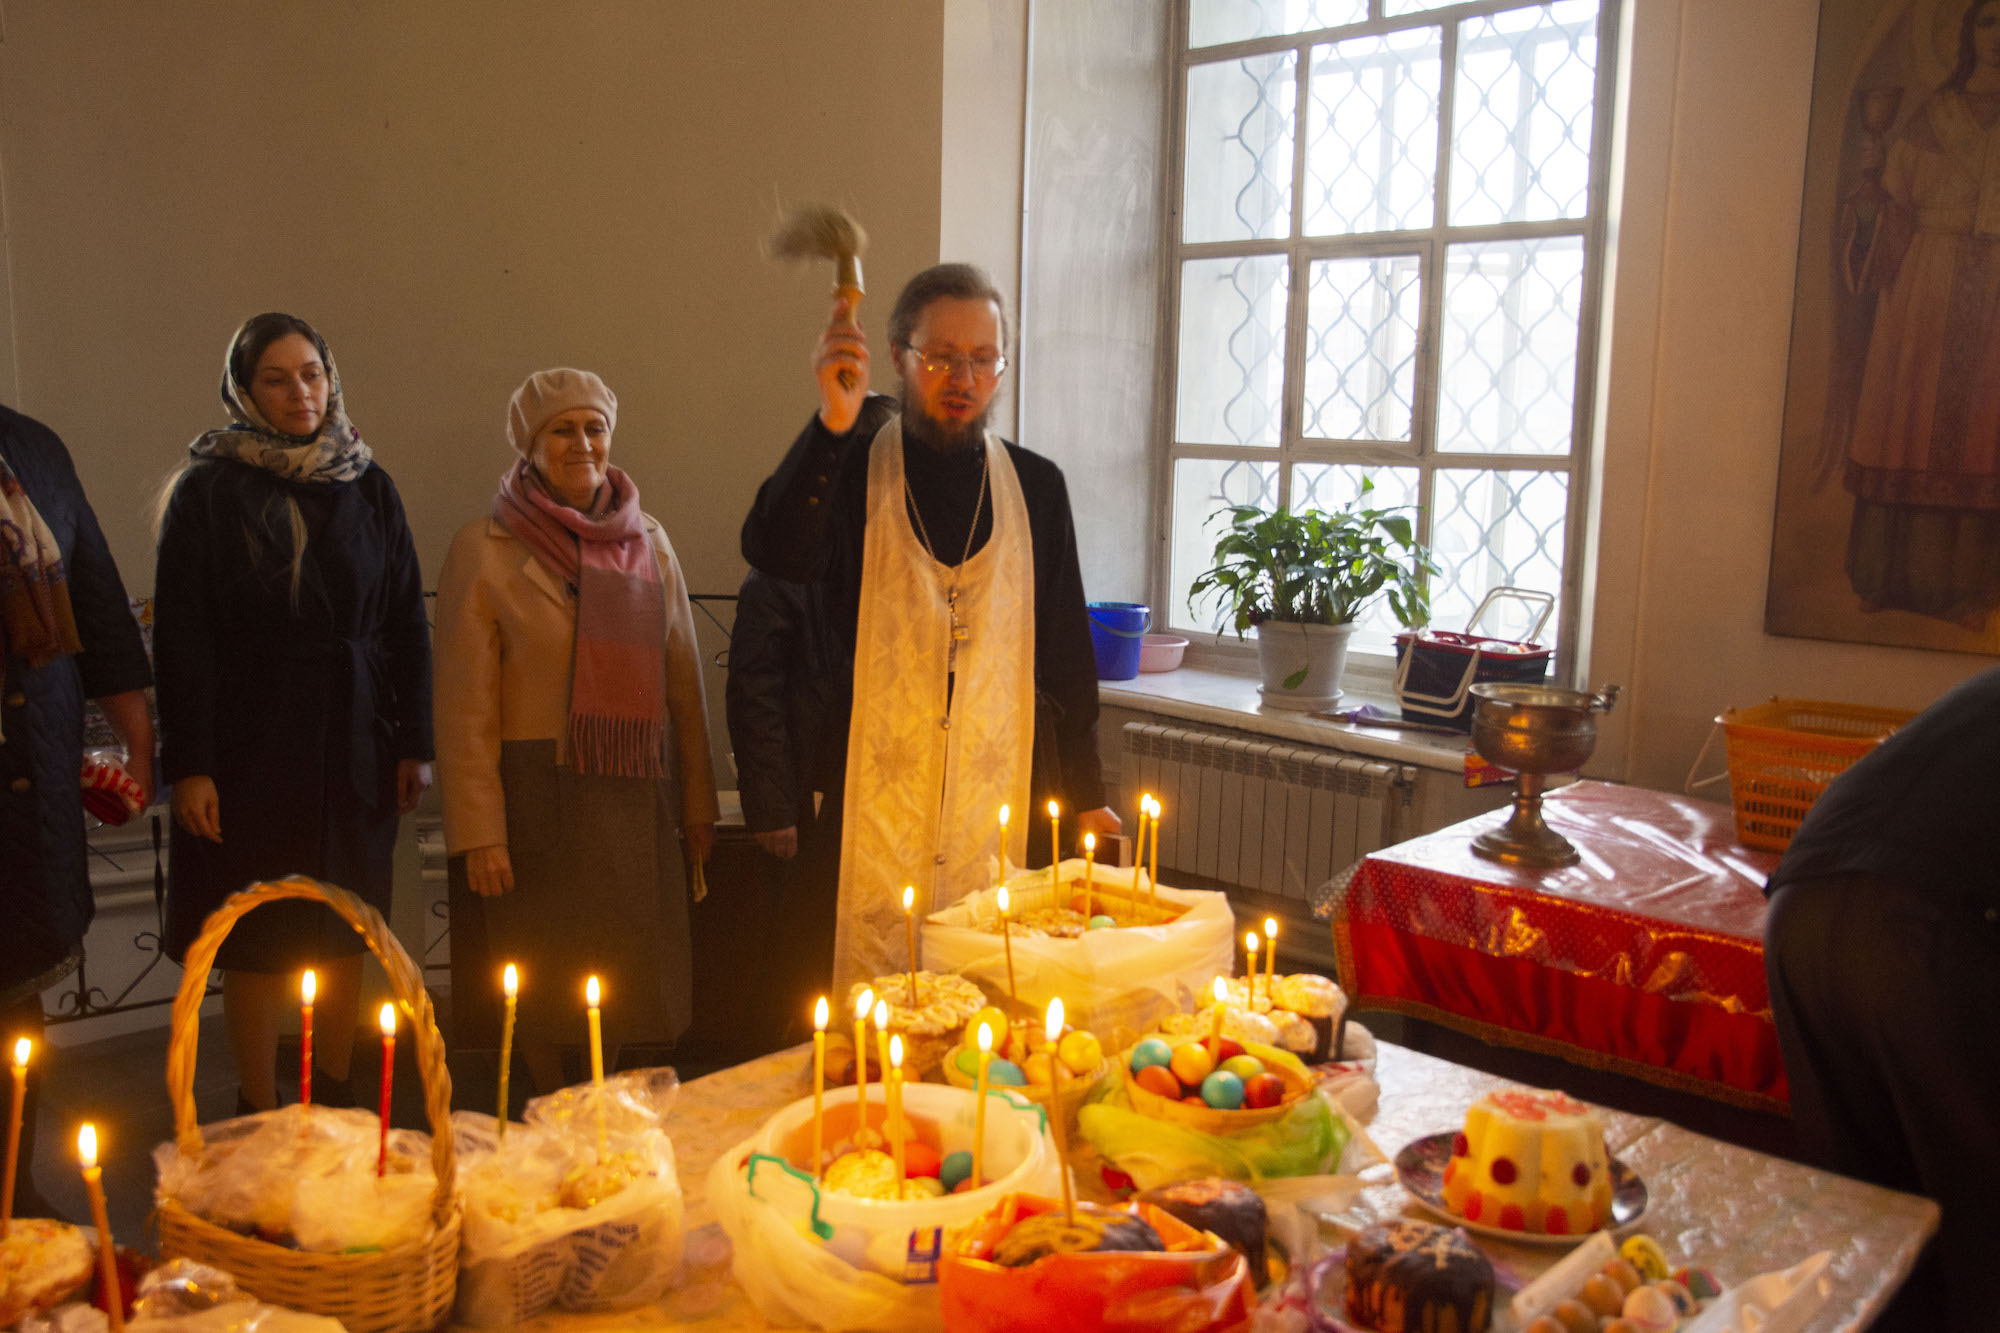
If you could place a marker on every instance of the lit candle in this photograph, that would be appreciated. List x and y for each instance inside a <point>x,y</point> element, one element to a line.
<point>882,1053</point>
<point>978,1177</point>
<point>819,1086</point>
<point>1153,877</point>
<point>387,1019</point>
<point>592,993</point>
<point>1270,957</point>
<point>1139,856</point>
<point>862,1006</point>
<point>1007,941</point>
<point>23,1048</point>
<point>910,933</point>
<point>510,986</point>
<point>308,986</point>
<point>1215,1027</point>
<point>1055,849</point>
<point>1052,1029</point>
<point>897,1133</point>
<point>1004,812</point>
<point>107,1260</point>
<point>1250,943</point>
<point>1089,868</point>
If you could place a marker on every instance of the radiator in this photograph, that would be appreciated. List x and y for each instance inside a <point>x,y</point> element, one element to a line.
<point>1254,814</point>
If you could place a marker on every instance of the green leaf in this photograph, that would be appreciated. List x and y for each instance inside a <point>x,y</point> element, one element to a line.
<point>1296,679</point>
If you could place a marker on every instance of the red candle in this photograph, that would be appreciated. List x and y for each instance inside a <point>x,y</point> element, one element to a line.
<point>388,1018</point>
<point>308,984</point>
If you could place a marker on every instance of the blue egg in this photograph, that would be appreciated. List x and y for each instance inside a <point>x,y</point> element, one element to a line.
<point>1151,1051</point>
<point>1005,1074</point>
<point>1101,922</point>
<point>955,1168</point>
<point>1222,1090</point>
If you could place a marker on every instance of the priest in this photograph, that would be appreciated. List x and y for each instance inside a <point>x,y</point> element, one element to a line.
<point>947,559</point>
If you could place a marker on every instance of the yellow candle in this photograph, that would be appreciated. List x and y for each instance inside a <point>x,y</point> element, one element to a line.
<point>107,1260</point>
<point>897,1132</point>
<point>591,995</point>
<point>978,1176</point>
<point>862,1005</point>
<point>1250,966</point>
<point>1004,812</point>
<point>386,1020</point>
<point>1139,855</point>
<point>1153,879</point>
<point>819,1087</point>
<point>510,986</point>
<point>882,1056</point>
<point>23,1048</point>
<point>1089,869</point>
<point>1215,1027</point>
<point>910,932</point>
<point>1270,957</point>
<point>1052,1029</point>
<point>1007,941</point>
<point>1055,850</point>
<point>308,987</point>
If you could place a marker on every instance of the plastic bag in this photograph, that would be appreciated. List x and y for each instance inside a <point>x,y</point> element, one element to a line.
<point>1193,1286</point>
<point>1307,1142</point>
<point>305,1176</point>
<point>526,1247</point>
<point>836,1262</point>
<point>182,1296</point>
<point>1118,984</point>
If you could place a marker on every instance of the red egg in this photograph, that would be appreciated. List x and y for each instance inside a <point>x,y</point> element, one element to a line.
<point>1262,1091</point>
<point>1228,1049</point>
<point>1159,1079</point>
<point>920,1159</point>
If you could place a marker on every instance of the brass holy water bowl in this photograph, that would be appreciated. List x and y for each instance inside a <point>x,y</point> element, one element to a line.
<point>1537,731</point>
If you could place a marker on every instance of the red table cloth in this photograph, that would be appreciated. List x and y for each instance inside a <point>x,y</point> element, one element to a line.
<point>1646,957</point>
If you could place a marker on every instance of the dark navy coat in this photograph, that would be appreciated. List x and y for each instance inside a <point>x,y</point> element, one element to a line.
<point>45,902</point>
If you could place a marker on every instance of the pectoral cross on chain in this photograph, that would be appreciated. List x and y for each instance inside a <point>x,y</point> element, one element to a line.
<point>960,631</point>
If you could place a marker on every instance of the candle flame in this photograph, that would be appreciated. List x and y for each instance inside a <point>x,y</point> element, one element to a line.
<point>896,1053</point>
<point>1004,813</point>
<point>1002,900</point>
<point>23,1048</point>
<point>1089,844</point>
<point>819,1015</point>
<point>1250,943</point>
<point>1221,991</point>
<point>1270,928</point>
<point>592,992</point>
<point>387,1018</point>
<point>881,1015</point>
<point>510,982</point>
<point>864,1002</point>
<point>909,896</point>
<point>985,1037</point>
<point>308,986</point>
<point>1053,1026</point>
<point>1054,809</point>
<point>86,1145</point>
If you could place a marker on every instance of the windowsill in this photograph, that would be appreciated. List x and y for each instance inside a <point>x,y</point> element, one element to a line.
<point>1220,697</point>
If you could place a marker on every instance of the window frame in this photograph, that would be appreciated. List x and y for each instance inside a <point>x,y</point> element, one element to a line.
<point>1431,245</point>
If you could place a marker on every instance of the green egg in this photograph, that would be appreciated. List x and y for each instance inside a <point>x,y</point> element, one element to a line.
<point>967,1061</point>
<point>1102,922</point>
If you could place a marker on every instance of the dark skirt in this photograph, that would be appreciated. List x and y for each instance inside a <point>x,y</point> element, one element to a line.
<point>1943,563</point>
<point>599,887</point>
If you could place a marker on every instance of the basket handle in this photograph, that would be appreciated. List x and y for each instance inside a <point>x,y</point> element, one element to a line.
<point>1446,704</point>
<point>1532,597</point>
<point>404,980</point>
<point>1692,782</point>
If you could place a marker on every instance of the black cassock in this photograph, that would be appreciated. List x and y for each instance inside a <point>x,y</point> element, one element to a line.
<point>299,714</point>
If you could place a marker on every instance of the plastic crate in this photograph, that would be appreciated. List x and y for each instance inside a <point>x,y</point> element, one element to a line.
<point>1784,753</point>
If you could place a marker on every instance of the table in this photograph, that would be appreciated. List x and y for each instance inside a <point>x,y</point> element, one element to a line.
<point>1647,957</point>
<point>1732,1210</point>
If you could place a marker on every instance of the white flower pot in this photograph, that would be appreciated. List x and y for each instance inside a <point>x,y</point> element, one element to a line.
<point>1302,663</point>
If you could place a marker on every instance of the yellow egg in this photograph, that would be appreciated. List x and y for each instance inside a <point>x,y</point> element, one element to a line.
<point>1081,1052</point>
<point>995,1021</point>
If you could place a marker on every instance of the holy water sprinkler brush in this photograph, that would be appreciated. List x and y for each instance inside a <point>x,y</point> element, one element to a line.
<point>819,231</point>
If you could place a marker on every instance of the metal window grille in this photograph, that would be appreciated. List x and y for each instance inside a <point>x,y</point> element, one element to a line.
<point>1387,222</point>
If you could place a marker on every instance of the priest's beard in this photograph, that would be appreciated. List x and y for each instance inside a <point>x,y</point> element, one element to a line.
<point>942,436</point>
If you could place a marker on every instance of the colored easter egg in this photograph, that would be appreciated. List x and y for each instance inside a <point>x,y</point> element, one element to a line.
<point>1005,1074</point>
<point>924,1187</point>
<point>1263,1091</point>
<point>1080,1052</point>
<point>967,1060</point>
<point>1575,1317</point>
<point>1683,1300</point>
<point>996,1023</point>
<point>1160,1080</point>
<point>1101,922</point>
<point>1649,1310</point>
<point>1227,1049</point>
<point>1039,1069</point>
<point>920,1159</point>
<point>1623,1273</point>
<point>954,1168</point>
<point>1602,1295</point>
<point>1644,1253</point>
<point>1193,1099</point>
<point>1245,1067</point>
<point>1698,1281</point>
<point>1222,1090</point>
<point>1191,1064</point>
<point>1151,1051</point>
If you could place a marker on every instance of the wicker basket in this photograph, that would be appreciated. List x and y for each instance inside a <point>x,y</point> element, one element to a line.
<point>1212,1120</point>
<point>1076,1088</point>
<point>1784,753</point>
<point>395,1291</point>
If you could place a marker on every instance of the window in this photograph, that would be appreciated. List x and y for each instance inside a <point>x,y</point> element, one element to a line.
<point>1388,222</point>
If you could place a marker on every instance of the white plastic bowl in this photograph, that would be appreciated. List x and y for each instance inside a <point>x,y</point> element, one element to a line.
<point>1161,652</point>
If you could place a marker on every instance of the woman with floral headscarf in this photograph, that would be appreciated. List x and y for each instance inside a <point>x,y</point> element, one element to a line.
<point>294,688</point>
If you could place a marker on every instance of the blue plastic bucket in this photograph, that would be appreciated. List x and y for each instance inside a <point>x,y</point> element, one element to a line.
<point>1116,630</point>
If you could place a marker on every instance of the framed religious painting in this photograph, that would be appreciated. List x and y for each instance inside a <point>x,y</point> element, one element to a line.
<point>1888,515</point>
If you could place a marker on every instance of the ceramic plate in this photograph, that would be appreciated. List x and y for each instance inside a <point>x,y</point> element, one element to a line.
<point>1420,1166</point>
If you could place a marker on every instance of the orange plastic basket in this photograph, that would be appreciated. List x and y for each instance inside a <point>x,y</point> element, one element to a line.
<point>1784,753</point>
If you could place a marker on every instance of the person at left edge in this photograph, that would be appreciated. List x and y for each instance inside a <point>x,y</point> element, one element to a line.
<point>66,634</point>
<point>294,688</point>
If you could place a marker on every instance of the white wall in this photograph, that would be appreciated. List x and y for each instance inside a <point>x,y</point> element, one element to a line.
<point>1707,244</point>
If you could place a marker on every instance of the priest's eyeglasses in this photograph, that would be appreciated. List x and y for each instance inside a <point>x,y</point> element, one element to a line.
<point>983,366</point>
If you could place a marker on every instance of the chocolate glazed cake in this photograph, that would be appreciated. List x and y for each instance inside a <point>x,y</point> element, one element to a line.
<point>1234,1212</point>
<point>1411,1277</point>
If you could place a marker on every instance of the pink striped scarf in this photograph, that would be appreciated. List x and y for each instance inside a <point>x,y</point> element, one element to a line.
<point>618,680</point>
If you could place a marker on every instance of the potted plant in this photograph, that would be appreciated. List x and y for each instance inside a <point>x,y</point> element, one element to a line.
<point>1303,579</point>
